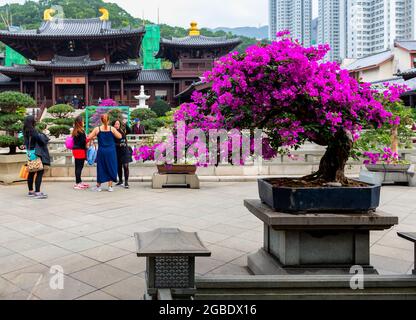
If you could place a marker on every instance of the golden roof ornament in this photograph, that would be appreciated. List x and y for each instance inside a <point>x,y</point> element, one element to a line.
<point>106,14</point>
<point>47,14</point>
<point>194,31</point>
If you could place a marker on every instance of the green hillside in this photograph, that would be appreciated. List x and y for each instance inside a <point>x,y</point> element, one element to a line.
<point>30,14</point>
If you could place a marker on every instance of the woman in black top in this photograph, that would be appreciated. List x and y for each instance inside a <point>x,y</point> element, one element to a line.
<point>38,143</point>
<point>79,151</point>
<point>124,154</point>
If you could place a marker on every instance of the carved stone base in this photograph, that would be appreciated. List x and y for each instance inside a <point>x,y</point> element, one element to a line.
<point>322,243</point>
<point>160,181</point>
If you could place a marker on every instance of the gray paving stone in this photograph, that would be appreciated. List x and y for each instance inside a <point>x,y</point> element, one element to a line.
<point>97,295</point>
<point>132,288</point>
<point>45,253</point>
<point>104,253</point>
<point>14,262</point>
<point>72,290</point>
<point>72,263</point>
<point>130,263</point>
<point>101,275</point>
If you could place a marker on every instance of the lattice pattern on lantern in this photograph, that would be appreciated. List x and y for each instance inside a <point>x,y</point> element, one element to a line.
<point>172,272</point>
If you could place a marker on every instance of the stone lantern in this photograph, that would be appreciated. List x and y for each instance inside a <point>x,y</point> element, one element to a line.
<point>142,97</point>
<point>170,265</point>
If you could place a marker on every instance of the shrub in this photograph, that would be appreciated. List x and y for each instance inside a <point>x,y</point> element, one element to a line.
<point>48,120</point>
<point>11,122</point>
<point>160,107</point>
<point>61,110</point>
<point>151,125</point>
<point>12,109</point>
<point>9,141</point>
<point>11,101</point>
<point>58,130</point>
<point>64,121</point>
<point>143,114</point>
<point>41,126</point>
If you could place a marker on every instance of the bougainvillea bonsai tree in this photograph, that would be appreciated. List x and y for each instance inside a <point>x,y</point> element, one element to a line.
<point>286,90</point>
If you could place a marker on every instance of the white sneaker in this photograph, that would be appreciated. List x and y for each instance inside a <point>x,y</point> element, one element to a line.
<point>96,189</point>
<point>110,189</point>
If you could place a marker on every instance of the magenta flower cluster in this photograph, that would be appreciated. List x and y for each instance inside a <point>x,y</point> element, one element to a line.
<point>386,156</point>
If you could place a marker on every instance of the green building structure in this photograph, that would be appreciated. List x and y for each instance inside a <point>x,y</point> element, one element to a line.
<point>12,57</point>
<point>151,45</point>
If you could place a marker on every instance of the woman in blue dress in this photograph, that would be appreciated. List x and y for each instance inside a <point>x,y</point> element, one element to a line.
<point>106,154</point>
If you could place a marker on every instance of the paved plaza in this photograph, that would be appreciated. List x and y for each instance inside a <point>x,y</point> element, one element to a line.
<point>91,235</point>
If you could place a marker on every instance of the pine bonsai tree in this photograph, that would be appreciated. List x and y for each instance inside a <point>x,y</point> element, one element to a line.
<point>12,110</point>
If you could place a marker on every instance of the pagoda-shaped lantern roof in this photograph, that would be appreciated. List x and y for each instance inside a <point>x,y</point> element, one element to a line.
<point>170,47</point>
<point>169,242</point>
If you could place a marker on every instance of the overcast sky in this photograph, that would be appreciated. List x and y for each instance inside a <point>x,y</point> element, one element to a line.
<point>208,13</point>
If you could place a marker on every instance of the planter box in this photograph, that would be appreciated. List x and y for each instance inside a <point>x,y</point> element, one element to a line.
<point>388,167</point>
<point>10,166</point>
<point>324,199</point>
<point>176,169</point>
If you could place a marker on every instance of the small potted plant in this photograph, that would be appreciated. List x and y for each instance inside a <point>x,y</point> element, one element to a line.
<point>385,160</point>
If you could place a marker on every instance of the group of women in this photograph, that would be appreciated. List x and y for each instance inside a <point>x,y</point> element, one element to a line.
<point>113,155</point>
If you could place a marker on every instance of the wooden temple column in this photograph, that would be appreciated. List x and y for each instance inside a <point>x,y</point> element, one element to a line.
<point>53,90</point>
<point>36,92</point>
<point>107,89</point>
<point>21,85</point>
<point>87,91</point>
<point>122,90</point>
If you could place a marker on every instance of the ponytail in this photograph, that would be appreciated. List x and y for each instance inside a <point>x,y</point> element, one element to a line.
<point>105,119</point>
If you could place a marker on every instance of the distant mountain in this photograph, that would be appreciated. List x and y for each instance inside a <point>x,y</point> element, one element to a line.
<point>251,32</point>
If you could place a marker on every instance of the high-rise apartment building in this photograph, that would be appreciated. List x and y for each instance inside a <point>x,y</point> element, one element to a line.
<point>374,25</point>
<point>332,27</point>
<point>272,19</point>
<point>357,28</point>
<point>292,15</point>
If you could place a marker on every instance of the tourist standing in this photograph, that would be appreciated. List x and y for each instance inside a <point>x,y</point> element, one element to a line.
<point>36,144</point>
<point>79,151</point>
<point>124,154</point>
<point>138,128</point>
<point>106,155</point>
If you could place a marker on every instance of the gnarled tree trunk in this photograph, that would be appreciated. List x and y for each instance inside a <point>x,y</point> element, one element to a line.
<point>332,165</point>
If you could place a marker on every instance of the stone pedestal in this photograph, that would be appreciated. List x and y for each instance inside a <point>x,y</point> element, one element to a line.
<point>160,181</point>
<point>380,178</point>
<point>314,243</point>
<point>10,166</point>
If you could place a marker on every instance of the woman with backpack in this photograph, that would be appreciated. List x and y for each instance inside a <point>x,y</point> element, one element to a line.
<point>106,155</point>
<point>79,151</point>
<point>36,144</point>
<point>124,153</point>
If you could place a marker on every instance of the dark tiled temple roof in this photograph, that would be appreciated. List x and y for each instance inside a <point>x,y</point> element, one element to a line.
<point>17,70</point>
<point>407,74</point>
<point>59,62</point>
<point>4,79</point>
<point>72,28</point>
<point>201,41</point>
<point>154,76</point>
<point>120,67</point>
<point>70,63</point>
